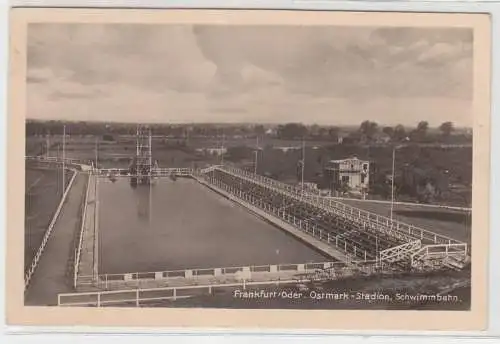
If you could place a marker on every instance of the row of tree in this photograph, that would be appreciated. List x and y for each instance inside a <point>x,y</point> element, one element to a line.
<point>367,132</point>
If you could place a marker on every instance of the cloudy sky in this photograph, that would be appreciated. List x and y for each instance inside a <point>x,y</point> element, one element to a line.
<point>185,73</point>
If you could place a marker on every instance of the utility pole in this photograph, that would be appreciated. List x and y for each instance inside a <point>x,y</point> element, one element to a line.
<point>150,153</point>
<point>255,163</point>
<point>48,145</point>
<point>222,148</point>
<point>392,180</point>
<point>303,164</point>
<point>256,155</point>
<point>96,151</point>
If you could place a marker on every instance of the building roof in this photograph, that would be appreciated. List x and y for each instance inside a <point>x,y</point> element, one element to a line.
<point>354,158</point>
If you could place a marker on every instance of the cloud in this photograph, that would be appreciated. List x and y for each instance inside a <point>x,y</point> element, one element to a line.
<point>180,72</point>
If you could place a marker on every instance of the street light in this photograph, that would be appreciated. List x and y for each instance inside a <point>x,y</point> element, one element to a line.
<point>393,172</point>
<point>303,162</point>
<point>256,152</point>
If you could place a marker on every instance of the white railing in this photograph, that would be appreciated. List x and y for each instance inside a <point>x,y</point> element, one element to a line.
<point>123,172</point>
<point>48,232</point>
<point>56,159</point>
<point>400,252</point>
<point>410,204</point>
<point>341,244</point>
<point>365,224</point>
<point>80,235</point>
<point>393,225</point>
<point>246,272</point>
<point>438,254</point>
<point>140,295</point>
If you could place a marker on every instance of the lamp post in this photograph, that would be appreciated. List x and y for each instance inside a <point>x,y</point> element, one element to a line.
<point>256,153</point>
<point>392,180</point>
<point>303,162</point>
<point>393,173</point>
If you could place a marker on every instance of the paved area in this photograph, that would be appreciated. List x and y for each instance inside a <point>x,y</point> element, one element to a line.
<point>51,276</point>
<point>86,264</point>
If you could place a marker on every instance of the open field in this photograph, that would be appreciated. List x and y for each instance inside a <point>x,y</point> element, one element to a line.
<point>183,225</point>
<point>42,196</point>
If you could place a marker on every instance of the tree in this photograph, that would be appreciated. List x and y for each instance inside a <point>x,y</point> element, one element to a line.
<point>446,128</point>
<point>344,188</point>
<point>389,131</point>
<point>399,133</point>
<point>292,131</point>
<point>333,133</point>
<point>368,129</point>
<point>259,130</point>
<point>420,133</point>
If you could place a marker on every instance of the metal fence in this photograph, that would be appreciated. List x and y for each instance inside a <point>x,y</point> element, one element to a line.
<point>396,227</point>
<point>48,232</point>
<point>351,251</point>
<point>78,249</point>
<point>140,296</point>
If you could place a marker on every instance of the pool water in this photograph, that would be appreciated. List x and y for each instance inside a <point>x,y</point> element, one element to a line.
<point>182,224</point>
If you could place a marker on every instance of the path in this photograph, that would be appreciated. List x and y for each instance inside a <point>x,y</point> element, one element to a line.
<point>50,277</point>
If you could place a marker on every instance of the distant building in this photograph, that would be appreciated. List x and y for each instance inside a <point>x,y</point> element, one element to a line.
<point>212,151</point>
<point>352,172</point>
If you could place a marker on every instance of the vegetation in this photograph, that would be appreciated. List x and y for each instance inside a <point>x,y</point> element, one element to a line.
<point>433,165</point>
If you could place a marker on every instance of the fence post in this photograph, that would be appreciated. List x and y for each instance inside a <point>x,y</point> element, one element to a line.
<point>137,297</point>
<point>98,299</point>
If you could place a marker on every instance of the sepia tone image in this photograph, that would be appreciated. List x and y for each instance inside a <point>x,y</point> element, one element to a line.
<point>249,167</point>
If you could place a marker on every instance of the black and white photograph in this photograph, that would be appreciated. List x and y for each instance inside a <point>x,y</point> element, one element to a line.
<point>270,166</point>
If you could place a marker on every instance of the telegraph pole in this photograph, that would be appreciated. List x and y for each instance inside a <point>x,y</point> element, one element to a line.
<point>303,164</point>
<point>392,180</point>
<point>96,151</point>
<point>255,163</point>
<point>222,148</point>
<point>256,155</point>
<point>48,145</point>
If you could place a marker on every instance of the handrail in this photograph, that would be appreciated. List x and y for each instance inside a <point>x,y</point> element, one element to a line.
<point>137,291</point>
<point>394,224</point>
<point>314,230</point>
<point>36,259</point>
<point>397,251</point>
<point>452,249</point>
<point>82,228</point>
<point>233,269</point>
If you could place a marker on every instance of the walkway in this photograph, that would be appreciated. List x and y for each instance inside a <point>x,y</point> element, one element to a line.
<point>51,276</point>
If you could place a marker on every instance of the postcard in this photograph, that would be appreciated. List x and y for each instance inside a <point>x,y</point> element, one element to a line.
<point>248,169</point>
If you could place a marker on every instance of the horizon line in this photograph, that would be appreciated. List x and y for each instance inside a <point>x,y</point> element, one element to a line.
<point>242,123</point>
